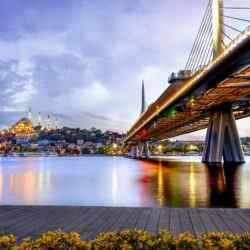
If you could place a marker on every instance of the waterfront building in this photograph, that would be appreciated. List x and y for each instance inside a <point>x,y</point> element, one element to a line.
<point>79,141</point>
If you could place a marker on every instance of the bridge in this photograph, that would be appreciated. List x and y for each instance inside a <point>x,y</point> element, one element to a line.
<point>211,92</point>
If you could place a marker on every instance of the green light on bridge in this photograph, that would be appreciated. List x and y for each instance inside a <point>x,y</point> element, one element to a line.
<point>170,113</point>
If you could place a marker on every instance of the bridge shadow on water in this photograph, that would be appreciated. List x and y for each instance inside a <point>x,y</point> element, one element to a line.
<point>223,183</point>
<point>193,184</point>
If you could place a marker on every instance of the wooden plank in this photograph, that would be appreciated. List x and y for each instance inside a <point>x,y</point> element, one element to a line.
<point>164,221</point>
<point>216,215</point>
<point>70,224</point>
<point>185,221</point>
<point>197,224</point>
<point>15,223</point>
<point>229,219</point>
<point>13,218</point>
<point>206,220</point>
<point>139,221</point>
<point>240,219</point>
<point>9,210</point>
<point>39,220</point>
<point>118,221</point>
<point>109,218</point>
<point>124,216</point>
<point>143,217</point>
<point>175,223</point>
<point>131,220</point>
<point>243,213</point>
<point>89,223</point>
<point>153,221</point>
<point>80,225</point>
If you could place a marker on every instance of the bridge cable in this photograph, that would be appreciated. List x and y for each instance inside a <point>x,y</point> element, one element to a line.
<point>203,46</point>
<point>197,40</point>
<point>236,18</point>
<point>204,49</point>
<point>198,36</point>
<point>232,28</point>
<point>207,53</point>
<point>199,47</point>
<point>227,36</point>
<point>236,8</point>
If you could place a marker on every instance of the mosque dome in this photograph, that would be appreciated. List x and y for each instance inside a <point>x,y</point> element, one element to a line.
<point>23,128</point>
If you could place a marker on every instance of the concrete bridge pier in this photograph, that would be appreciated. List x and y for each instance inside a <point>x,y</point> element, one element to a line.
<point>147,151</point>
<point>130,152</point>
<point>137,152</point>
<point>144,152</point>
<point>133,152</point>
<point>140,151</point>
<point>222,139</point>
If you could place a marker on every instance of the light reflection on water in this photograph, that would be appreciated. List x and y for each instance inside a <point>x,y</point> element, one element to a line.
<point>117,181</point>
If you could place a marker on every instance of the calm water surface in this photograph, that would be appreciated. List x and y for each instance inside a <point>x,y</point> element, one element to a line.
<point>117,181</point>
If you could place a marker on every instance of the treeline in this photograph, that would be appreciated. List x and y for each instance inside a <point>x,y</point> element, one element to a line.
<point>71,135</point>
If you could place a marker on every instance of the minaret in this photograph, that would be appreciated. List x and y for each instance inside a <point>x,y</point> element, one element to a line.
<point>48,123</point>
<point>143,102</point>
<point>56,124</point>
<point>39,119</point>
<point>30,115</point>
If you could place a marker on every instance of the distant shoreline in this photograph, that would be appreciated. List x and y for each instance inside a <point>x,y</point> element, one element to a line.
<point>51,155</point>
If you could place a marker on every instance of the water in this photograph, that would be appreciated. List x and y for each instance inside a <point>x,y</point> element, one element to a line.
<point>117,181</point>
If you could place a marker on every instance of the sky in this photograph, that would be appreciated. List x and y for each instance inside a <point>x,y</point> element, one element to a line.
<point>83,61</point>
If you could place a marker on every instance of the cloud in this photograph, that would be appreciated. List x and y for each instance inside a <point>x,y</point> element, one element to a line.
<point>87,97</point>
<point>23,96</point>
<point>17,87</point>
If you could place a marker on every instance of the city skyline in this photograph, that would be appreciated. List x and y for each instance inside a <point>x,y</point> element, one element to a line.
<point>85,61</point>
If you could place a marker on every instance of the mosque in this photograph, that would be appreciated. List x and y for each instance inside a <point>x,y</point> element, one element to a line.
<point>24,129</point>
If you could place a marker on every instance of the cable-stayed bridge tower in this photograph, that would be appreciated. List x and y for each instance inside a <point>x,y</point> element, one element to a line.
<point>217,20</point>
<point>143,100</point>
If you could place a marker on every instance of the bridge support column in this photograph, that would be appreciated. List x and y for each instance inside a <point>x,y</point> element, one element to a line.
<point>130,152</point>
<point>144,150</point>
<point>140,151</point>
<point>222,139</point>
<point>133,152</point>
<point>137,151</point>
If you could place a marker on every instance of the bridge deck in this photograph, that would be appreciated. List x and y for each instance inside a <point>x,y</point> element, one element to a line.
<point>31,221</point>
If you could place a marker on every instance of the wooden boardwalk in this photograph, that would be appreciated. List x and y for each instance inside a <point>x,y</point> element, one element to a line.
<point>31,221</point>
